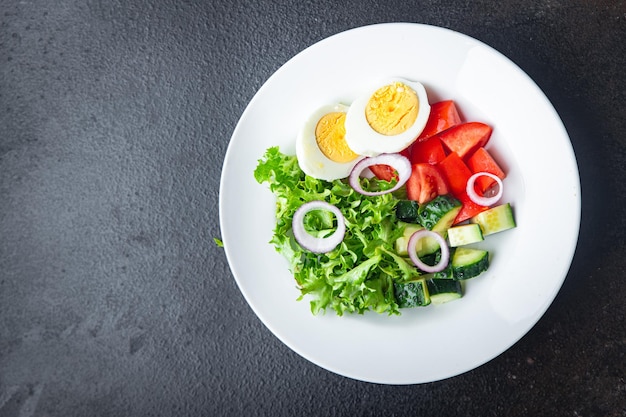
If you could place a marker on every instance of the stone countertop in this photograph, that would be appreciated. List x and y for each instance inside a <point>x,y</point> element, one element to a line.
<point>114,121</point>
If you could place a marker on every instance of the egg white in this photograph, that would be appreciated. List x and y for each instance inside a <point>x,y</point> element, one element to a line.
<point>364,140</point>
<point>310,158</point>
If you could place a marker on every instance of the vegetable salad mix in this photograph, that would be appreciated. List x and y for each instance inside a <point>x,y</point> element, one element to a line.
<point>397,238</point>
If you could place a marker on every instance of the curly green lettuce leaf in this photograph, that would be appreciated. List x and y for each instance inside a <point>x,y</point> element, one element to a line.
<point>357,275</point>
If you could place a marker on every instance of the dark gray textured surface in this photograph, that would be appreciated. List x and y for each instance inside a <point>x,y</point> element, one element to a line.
<point>114,121</point>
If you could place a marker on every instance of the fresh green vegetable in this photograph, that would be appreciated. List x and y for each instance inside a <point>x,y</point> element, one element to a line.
<point>359,274</point>
<point>464,234</point>
<point>444,290</point>
<point>465,263</point>
<point>469,263</point>
<point>495,219</point>
<point>402,242</point>
<point>426,246</point>
<point>439,213</point>
<point>412,293</point>
<point>406,211</point>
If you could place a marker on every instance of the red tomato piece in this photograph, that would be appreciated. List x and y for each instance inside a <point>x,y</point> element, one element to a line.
<point>383,172</point>
<point>429,151</point>
<point>387,173</point>
<point>466,137</point>
<point>456,173</point>
<point>443,115</point>
<point>425,183</point>
<point>482,161</point>
<point>469,208</point>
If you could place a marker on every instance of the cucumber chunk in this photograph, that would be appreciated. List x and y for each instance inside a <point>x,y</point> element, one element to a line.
<point>465,263</point>
<point>426,246</point>
<point>495,219</point>
<point>444,290</point>
<point>411,294</point>
<point>406,211</point>
<point>468,263</point>
<point>464,234</point>
<point>439,213</point>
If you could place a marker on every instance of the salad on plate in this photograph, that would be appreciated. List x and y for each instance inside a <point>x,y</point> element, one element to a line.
<point>385,200</point>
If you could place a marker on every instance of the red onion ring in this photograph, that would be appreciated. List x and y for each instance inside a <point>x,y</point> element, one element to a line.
<point>400,163</point>
<point>312,243</point>
<point>445,251</point>
<point>481,200</point>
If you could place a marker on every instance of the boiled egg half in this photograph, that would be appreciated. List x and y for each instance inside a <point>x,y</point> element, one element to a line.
<point>388,118</point>
<point>321,146</point>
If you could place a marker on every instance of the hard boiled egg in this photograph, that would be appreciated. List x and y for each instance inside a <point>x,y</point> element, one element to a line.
<point>321,147</point>
<point>388,118</point>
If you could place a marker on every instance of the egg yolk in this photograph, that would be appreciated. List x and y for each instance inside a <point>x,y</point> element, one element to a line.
<point>392,109</point>
<point>330,134</point>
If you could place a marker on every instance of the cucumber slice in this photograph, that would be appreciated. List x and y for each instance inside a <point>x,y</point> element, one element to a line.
<point>468,263</point>
<point>424,247</point>
<point>444,290</point>
<point>439,213</point>
<point>464,234</point>
<point>411,294</point>
<point>495,219</point>
<point>465,263</point>
<point>406,211</point>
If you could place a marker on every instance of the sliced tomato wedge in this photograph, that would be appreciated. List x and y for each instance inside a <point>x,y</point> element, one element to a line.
<point>456,173</point>
<point>429,151</point>
<point>387,173</point>
<point>383,172</point>
<point>426,182</point>
<point>469,208</point>
<point>465,138</point>
<point>443,115</point>
<point>482,161</point>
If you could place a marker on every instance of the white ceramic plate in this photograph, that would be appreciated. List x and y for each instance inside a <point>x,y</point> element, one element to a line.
<point>529,263</point>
